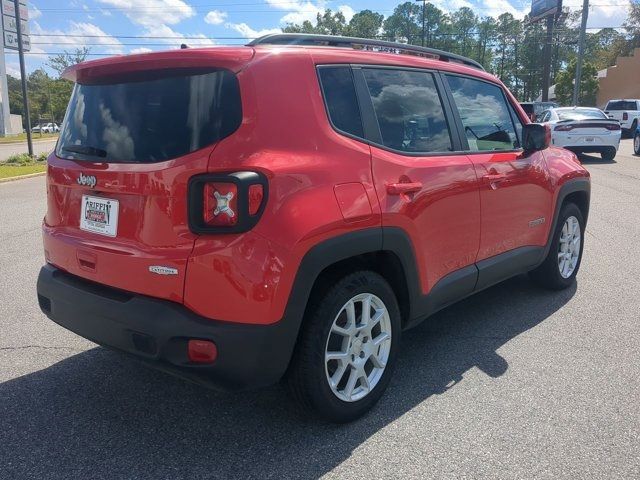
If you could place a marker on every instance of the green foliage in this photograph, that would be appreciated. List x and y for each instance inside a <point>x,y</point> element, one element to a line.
<point>588,84</point>
<point>61,62</point>
<point>510,48</point>
<point>19,159</point>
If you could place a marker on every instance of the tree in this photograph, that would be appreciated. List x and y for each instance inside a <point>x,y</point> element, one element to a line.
<point>365,24</point>
<point>403,24</point>
<point>588,84</point>
<point>61,62</point>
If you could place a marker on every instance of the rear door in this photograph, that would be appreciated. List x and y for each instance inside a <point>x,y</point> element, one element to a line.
<point>117,182</point>
<point>425,187</point>
<point>515,189</point>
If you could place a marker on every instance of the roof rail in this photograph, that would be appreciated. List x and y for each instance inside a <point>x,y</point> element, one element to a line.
<point>361,44</point>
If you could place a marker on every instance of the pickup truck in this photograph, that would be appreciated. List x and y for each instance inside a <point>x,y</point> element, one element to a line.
<point>627,112</point>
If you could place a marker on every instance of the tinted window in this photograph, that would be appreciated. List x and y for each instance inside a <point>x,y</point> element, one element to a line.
<point>527,107</point>
<point>579,114</point>
<point>340,96</point>
<point>484,113</point>
<point>409,110</point>
<point>622,105</point>
<point>150,120</point>
<point>517,122</point>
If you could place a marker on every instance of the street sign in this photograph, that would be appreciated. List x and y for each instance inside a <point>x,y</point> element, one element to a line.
<point>11,41</point>
<point>10,28</point>
<point>10,25</point>
<point>9,9</point>
<point>543,8</point>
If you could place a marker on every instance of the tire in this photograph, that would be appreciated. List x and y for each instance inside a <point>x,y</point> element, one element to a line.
<point>636,144</point>
<point>549,273</point>
<point>608,154</point>
<point>308,376</point>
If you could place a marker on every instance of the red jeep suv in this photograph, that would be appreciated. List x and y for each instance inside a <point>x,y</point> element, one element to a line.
<point>288,208</point>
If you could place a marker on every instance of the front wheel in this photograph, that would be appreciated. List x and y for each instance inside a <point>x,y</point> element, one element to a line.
<point>636,143</point>
<point>347,350</point>
<point>560,267</point>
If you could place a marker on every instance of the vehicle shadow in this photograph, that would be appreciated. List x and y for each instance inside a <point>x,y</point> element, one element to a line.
<point>594,158</point>
<point>100,415</point>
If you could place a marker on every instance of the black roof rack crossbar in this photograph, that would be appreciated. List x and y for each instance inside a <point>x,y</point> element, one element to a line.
<point>361,44</point>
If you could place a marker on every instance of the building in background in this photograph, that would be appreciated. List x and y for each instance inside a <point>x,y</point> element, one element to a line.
<point>621,81</point>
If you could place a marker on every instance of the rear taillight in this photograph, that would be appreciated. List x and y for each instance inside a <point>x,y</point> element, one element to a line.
<point>625,116</point>
<point>613,126</point>
<point>226,203</point>
<point>563,128</point>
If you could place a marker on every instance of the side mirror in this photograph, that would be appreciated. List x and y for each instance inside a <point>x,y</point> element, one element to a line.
<point>535,137</point>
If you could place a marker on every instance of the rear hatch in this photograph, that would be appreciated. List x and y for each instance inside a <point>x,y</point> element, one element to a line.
<point>136,130</point>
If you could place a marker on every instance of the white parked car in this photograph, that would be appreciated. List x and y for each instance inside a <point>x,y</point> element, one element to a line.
<point>50,128</point>
<point>584,130</point>
<point>627,112</point>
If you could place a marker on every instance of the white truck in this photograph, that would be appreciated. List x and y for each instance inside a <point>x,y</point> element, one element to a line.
<point>627,112</point>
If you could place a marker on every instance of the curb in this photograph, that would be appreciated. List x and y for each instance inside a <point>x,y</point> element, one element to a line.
<point>22,177</point>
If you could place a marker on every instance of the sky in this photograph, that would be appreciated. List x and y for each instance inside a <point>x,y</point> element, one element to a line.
<point>104,25</point>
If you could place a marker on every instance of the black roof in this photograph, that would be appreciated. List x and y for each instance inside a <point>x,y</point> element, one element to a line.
<point>361,44</point>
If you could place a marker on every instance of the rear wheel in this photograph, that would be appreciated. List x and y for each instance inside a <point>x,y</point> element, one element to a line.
<point>345,356</point>
<point>559,269</point>
<point>608,154</point>
<point>636,143</point>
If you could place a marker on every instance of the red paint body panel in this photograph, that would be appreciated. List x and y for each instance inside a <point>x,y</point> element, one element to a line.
<point>442,219</point>
<point>321,184</point>
<point>514,190</point>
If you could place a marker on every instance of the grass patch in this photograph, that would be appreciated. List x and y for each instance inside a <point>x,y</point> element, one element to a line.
<point>23,164</point>
<point>8,171</point>
<point>23,137</point>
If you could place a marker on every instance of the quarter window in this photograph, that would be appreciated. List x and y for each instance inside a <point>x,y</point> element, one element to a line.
<point>340,97</point>
<point>409,110</point>
<point>484,113</point>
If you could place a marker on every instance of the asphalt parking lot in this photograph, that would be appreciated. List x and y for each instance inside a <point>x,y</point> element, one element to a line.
<point>515,382</point>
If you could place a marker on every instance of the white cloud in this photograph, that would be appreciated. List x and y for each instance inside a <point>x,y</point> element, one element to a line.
<point>171,37</point>
<point>347,11</point>
<point>215,17</point>
<point>140,50</point>
<point>76,37</point>
<point>247,32</point>
<point>153,12</point>
<point>495,8</point>
<point>34,13</point>
<point>13,69</point>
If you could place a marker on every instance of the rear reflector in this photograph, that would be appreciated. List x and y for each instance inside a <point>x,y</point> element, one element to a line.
<point>613,126</point>
<point>202,351</point>
<point>220,204</point>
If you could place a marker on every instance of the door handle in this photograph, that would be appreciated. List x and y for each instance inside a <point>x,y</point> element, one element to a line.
<point>403,188</point>
<point>493,179</point>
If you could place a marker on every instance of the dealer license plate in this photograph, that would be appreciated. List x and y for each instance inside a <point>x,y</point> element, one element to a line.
<point>99,215</point>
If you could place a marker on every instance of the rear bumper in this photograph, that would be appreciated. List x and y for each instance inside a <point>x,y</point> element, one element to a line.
<point>156,331</point>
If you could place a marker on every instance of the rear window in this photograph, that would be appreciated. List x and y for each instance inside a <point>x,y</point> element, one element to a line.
<point>579,114</point>
<point>166,115</point>
<point>622,105</point>
<point>340,97</point>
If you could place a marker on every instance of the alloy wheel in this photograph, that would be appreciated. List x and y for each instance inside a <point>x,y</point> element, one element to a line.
<point>569,247</point>
<point>358,347</point>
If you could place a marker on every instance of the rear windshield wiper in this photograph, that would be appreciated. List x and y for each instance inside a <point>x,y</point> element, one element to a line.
<point>85,150</point>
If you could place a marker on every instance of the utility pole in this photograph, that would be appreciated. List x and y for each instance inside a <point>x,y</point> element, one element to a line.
<point>546,73</point>
<point>23,75</point>
<point>583,29</point>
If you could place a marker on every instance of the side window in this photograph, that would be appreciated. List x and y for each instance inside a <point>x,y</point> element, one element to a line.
<point>409,110</point>
<point>340,96</point>
<point>484,113</point>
